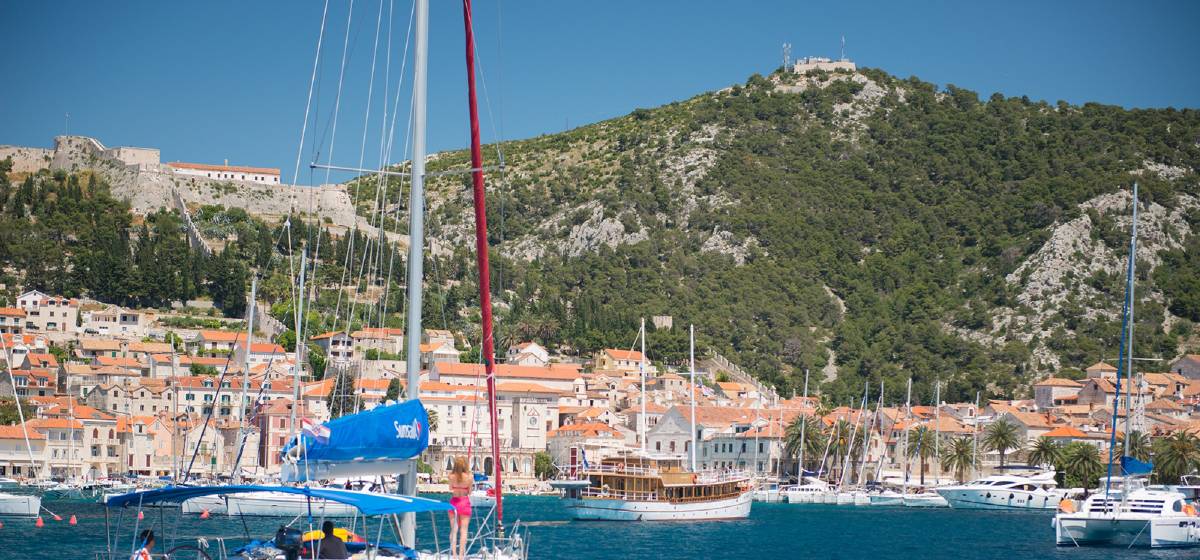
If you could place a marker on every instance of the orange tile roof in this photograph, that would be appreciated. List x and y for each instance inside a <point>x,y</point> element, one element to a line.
<point>263,348</point>
<point>99,344</point>
<point>376,332</point>
<point>521,387</point>
<point>227,168</point>
<point>589,429</point>
<point>559,372</point>
<point>16,432</point>
<point>1057,382</point>
<point>1065,432</point>
<point>329,334</point>
<point>221,336</point>
<point>1100,366</point>
<point>627,355</point>
<point>120,361</point>
<point>12,312</point>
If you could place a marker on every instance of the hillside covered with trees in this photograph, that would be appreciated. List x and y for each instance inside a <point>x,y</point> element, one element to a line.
<point>863,227</point>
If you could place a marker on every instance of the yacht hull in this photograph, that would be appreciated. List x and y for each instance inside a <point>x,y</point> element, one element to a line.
<point>19,505</point>
<point>1156,532</point>
<point>925,501</point>
<point>737,507</point>
<point>1015,500</point>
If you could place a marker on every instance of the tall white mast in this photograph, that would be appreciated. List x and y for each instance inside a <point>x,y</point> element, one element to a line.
<point>416,245</point>
<point>642,374</point>
<point>803,425</point>
<point>937,432</point>
<point>975,443</point>
<point>246,378</point>
<point>692,368</point>
<point>298,312</point>
<point>904,434</point>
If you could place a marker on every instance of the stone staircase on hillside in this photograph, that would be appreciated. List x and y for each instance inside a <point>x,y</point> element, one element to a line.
<point>716,363</point>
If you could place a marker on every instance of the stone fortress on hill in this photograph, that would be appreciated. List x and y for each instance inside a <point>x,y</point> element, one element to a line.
<point>138,176</point>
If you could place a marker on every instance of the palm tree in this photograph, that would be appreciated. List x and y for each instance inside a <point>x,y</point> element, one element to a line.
<point>1176,455</point>
<point>1082,463</point>
<point>1139,445</point>
<point>1045,451</point>
<point>433,419</point>
<point>812,442</point>
<point>920,445</point>
<point>1002,436</point>
<point>959,456</point>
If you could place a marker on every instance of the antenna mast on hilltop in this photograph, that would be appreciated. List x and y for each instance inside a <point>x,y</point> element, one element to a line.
<point>787,56</point>
<point>843,48</point>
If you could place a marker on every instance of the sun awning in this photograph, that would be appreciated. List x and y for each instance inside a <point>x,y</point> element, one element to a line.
<point>369,503</point>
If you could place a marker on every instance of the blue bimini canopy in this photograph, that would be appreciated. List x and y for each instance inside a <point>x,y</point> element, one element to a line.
<point>368,503</point>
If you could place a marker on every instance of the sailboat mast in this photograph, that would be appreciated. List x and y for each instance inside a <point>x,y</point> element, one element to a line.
<point>1125,348</point>
<point>937,421</point>
<point>803,425</point>
<point>481,251</point>
<point>904,434</point>
<point>298,312</point>
<point>975,442</point>
<point>642,374</point>
<point>692,368</point>
<point>416,238</point>
<point>245,380</point>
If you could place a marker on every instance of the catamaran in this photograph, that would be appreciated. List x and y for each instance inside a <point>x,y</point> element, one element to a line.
<point>1134,513</point>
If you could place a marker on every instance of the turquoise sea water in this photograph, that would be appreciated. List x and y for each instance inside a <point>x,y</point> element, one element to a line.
<point>773,531</point>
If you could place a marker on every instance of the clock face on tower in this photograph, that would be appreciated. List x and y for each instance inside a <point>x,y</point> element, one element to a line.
<point>533,421</point>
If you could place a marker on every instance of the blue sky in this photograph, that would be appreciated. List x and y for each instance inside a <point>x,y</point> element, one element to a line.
<point>206,81</point>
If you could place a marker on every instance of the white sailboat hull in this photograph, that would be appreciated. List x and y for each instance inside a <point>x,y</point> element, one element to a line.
<point>927,500</point>
<point>981,498</point>
<point>887,499</point>
<point>737,507</point>
<point>19,505</point>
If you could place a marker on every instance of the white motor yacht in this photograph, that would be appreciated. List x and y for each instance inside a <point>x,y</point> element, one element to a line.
<point>22,505</point>
<point>1005,492</point>
<point>1135,515</point>
<point>810,491</point>
<point>483,495</point>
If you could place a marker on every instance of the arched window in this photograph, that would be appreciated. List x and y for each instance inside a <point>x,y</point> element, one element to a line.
<point>528,466</point>
<point>111,434</point>
<point>514,465</point>
<point>672,445</point>
<point>487,466</point>
<point>95,433</point>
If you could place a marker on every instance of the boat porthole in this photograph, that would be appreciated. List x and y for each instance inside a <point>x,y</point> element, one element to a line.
<point>989,495</point>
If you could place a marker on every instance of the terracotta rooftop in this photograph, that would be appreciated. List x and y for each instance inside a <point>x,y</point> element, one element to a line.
<point>227,168</point>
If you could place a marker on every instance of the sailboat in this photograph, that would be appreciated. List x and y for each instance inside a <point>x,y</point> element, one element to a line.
<point>1130,513</point>
<point>23,505</point>
<point>929,498</point>
<point>642,486</point>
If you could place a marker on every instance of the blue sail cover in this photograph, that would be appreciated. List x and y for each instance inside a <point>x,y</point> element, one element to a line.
<point>392,432</point>
<point>1133,466</point>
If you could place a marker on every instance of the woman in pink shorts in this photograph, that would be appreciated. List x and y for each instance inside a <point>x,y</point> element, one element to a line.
<point>460,498</point>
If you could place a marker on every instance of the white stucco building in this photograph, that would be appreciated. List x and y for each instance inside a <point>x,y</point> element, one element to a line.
<point>261,175</point>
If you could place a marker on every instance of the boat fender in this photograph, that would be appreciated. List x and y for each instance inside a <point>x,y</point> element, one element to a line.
<point>1189,510</point>
<point>1067,505</point>
<point>604,489</point>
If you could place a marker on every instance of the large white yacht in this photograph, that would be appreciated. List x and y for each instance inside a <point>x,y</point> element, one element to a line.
<point>1133,515</point>
<point>1005,491</point>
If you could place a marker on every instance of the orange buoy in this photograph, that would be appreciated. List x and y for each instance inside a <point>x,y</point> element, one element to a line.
<point>204,514</point>
<point>57,517</point>
<point>141,515</point>
<point>39,523</point>
<point>72,521</point>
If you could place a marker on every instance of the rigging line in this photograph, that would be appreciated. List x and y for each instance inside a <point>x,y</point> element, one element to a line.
<point>308,104</point>
<point>337,100</point>
<point>390,143</point>
<point>381,179</point>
